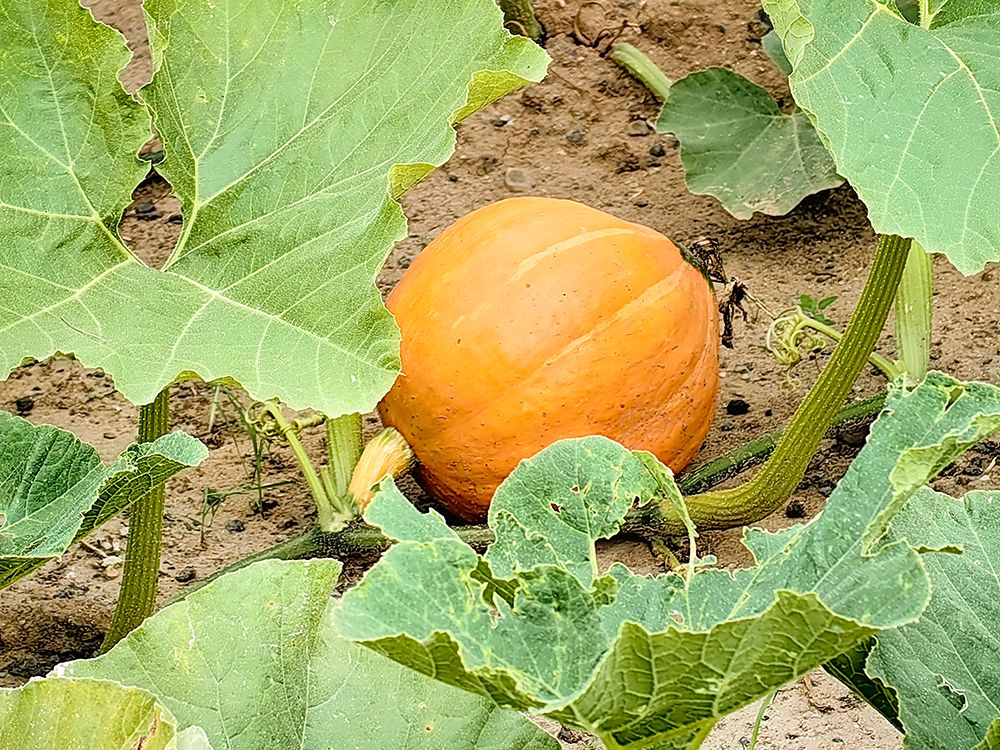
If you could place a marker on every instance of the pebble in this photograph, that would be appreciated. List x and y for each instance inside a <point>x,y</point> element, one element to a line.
<point>112,572</point>
<point>235,526</point>
<point>145,208</point>
<point>24,405</point>
<point>657,149</point>
<point>188,574</point>
<point>518,180</point>
<point>175,219</point>
<point>501,121</point>
<point>576,136</point>
<point>110,560</point>
<point>637,128</point>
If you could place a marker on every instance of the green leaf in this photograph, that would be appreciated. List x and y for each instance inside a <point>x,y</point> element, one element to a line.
<point>737,146</point>
<point>644,661</point>
<point>88,715</point>
<point>944,666</point>
<point>289,129</point>
<point>54,490</point>
<point>910,114</point>
<point>771,44</point>
<point>253,660</point>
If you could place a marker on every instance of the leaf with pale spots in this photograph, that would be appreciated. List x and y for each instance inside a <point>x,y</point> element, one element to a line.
<point>655,661</point>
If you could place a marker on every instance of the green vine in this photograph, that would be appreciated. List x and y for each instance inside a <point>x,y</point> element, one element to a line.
<point>137,597</point>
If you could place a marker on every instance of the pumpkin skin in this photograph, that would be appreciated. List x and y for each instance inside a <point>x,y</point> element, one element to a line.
<point>533,319</point>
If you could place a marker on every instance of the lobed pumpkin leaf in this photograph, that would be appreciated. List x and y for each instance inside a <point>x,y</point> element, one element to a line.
<point>654,661</point>
<point>81,714</point>
<point>54,490</point>
<point>254,661</point>
<point>737,146</point>
<point>288,128</point>
<point>947,700</point>
<point>910,114</point>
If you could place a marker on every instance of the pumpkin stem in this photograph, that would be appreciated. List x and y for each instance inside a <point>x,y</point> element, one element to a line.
<point>386,455</point>
<point>783,472</point>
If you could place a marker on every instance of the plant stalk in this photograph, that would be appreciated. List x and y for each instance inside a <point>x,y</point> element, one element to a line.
<point>639,65</point>
<point>914,313</point>
<point>776,482</point>
<point>360,540</point>
<point>137,596</point>
<point>343,449</point>
<point>519,18</point>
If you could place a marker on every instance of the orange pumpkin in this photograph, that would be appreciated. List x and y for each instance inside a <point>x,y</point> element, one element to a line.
<point>533,319</point>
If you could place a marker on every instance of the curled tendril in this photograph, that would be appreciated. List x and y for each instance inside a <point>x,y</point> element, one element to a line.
<point>269,422</point>
<point>792,335</point>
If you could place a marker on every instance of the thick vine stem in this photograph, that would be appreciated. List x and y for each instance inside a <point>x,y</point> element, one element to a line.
<point>519,17</point>
<point>137,596</point>
<point>358,540</point>
<point>776,482</point>
<point>638,64</point>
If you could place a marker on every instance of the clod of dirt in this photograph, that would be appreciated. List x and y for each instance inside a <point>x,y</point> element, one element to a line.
<point>518,180</point>
<point>576,136</point>
<point>737,407</point>
<point>657,149</point>
<point>235,526</point>
<point>24,405</point>
<point>175,219</point>
<point>854,435</point>
<point>795,509</point>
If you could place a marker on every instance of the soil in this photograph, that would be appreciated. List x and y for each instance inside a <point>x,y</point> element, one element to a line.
<point>573,136</point>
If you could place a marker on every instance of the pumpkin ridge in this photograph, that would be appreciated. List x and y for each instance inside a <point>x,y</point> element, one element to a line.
<point>569,243</point>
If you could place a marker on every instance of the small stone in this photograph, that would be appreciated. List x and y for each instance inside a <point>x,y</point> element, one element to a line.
<point>453,178</point>
<point>737,407</point>
<point>576,136</point>
<point>501,121</point>
<point>637,128</point>
<point>825,486</point>
<point>188,574</point>
<point>145,208</point>
<point>110,560</point>
<point>518,180</point>
<point>112,572</point>
<point>24,405</point>
<point>109,436</point>
<point>175,219</point>
<point>235,526</point>
<point>657,149</point>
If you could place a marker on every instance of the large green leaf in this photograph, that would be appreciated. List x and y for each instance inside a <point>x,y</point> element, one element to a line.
<point>737,146</point>
<point>289,128</point>
<point>910,113</point>
<point>88,715</point>
<point>944,666</point>
<point>54,490</point>
<point>646,661</point>
<point>254,661</point>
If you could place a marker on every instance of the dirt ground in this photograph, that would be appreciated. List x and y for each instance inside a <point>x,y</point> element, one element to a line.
<point>581,134</point>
